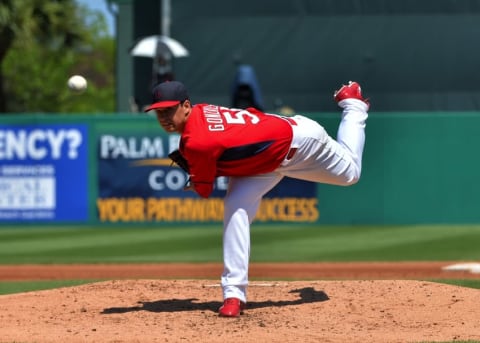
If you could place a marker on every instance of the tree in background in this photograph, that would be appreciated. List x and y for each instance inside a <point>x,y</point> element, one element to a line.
<point>43,43</point>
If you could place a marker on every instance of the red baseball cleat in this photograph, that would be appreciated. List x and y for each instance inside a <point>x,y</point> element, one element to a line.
<point>232,307</point>
<point>350,91</point>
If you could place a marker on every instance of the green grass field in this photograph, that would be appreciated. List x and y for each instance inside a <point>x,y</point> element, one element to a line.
<point>270,243</point>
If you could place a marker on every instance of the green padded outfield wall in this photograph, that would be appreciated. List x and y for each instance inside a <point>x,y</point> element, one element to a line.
<point>418,168</point>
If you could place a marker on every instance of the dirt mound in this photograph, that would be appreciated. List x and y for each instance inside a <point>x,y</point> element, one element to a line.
<point>185,311</point>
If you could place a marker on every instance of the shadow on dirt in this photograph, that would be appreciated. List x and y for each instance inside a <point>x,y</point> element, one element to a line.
<point>306,295</point>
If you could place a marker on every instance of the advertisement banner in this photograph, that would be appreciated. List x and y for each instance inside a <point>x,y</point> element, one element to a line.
<point>137,183</point>
<point>43,173</point>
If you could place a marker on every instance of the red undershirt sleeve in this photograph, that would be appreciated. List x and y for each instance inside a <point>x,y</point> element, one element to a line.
<point>203,170</point>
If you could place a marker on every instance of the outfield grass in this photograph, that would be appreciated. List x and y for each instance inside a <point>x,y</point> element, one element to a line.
<point>270,243</point>
<point>10,287</point>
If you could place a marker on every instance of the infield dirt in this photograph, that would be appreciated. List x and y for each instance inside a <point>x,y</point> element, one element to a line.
<point>373,305</point>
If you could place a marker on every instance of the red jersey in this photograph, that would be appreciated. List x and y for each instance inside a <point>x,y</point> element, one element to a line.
<point>220,141</point>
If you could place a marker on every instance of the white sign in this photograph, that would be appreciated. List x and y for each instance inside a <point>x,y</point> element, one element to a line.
<point>22,193</point>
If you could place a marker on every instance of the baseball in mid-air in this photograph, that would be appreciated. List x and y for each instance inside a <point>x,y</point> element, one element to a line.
<point>77,83</point>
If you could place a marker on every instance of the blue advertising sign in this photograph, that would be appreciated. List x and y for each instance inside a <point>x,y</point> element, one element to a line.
<point>138,183</point>
<point>43,173</point>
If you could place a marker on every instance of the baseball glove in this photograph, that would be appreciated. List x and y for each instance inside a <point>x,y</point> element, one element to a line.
<point>179,160</point>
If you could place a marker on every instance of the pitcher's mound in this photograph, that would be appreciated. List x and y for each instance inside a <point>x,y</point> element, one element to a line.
<point>185,311</point>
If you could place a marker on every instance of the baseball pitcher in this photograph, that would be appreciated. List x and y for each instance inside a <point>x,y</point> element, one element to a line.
<point>256,150</point>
